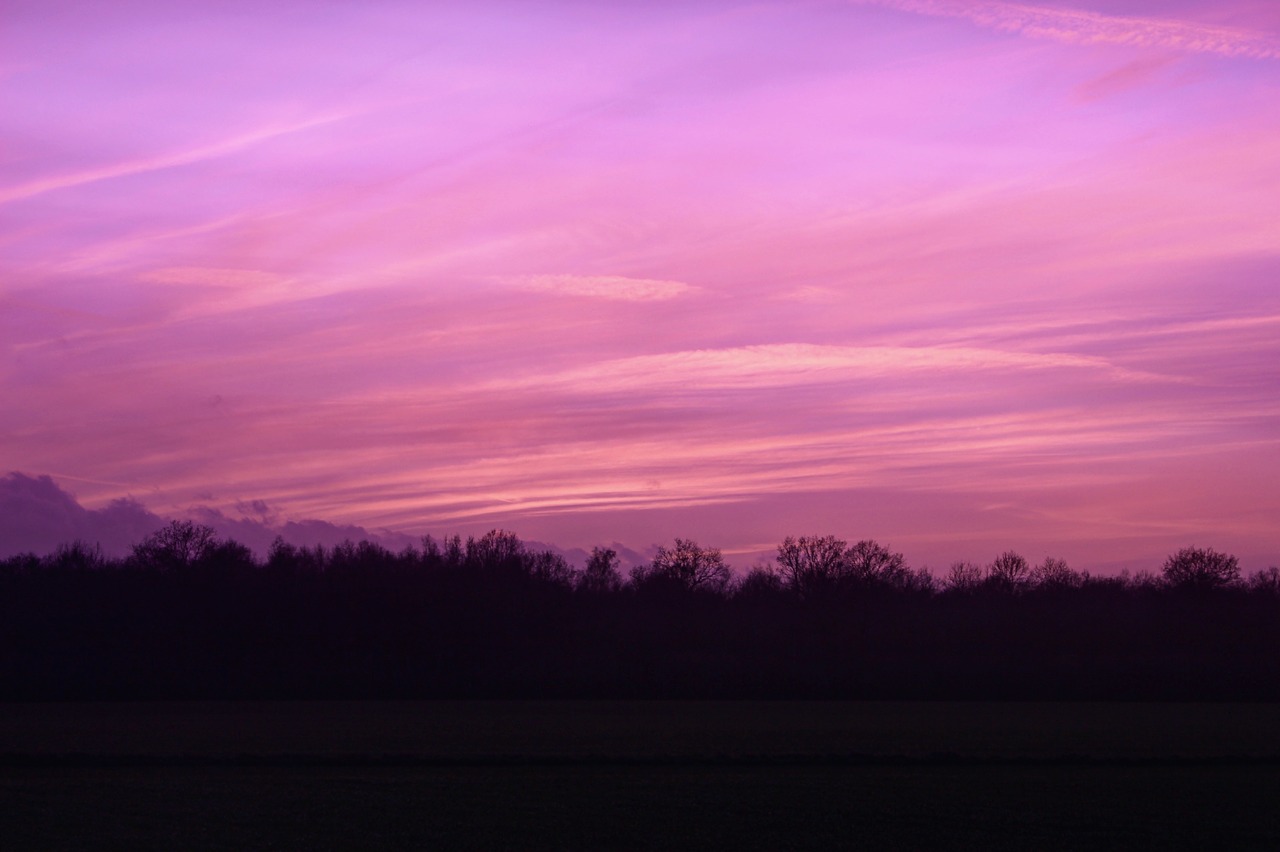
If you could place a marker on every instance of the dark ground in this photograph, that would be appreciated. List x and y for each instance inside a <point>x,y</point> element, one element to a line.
<point>639,775</point>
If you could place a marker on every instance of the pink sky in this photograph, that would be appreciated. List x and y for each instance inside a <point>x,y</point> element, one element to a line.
<point>958,276</point>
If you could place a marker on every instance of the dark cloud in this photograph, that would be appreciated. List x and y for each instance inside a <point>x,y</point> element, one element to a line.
<point>628,558</point>
<point>577,556</point>
<point>573,555</point>
<point>260,526</point>
<point>36,516</point>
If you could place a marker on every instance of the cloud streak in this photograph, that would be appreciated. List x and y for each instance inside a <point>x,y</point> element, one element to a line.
<point>615,287</point>
<point>783,364</point>
<point>1075,26</point>
<point>214,150</point>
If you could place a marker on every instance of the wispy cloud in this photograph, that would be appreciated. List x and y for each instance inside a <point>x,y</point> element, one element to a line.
<point>1075,26</point>
<point>1129,76</point>
<point>617,287</point>
<point>687,467</point>
<point>810,293</point>
<point>214,277</point>
<point>222,148</point>
<point>771,365</point>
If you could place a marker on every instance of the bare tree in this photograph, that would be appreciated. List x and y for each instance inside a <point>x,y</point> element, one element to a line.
<point>77,555</point>
<point>810,563</point>
<point>870,560</point>
<point>688,564</point>
<point>1266,581</point>
<point>1009,570</point>
<point>1055,574</point>
<point>496,550</point>
<point>963,577</point>
<point>179,544</point>
<point>1201,569</point>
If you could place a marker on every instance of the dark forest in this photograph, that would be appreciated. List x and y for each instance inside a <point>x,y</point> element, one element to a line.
<point>189,616</point>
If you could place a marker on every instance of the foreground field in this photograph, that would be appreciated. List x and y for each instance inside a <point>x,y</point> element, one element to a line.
<point>679,730</point>
<point>639,775</point>
<point>595,808</point>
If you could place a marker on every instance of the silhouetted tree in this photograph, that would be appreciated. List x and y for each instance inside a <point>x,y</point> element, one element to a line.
<point>1056,574</point>
<point>496,550</point>
<point>963,577</point>
<point>548,566</point>
<point>177,545</point>
<point>229,554</point>
<point>284,558</point>
<point>601,575</point>
<point>871,561</point>
<point>687,564</point>
<point>1266,582</point>
<point>1009,571</point>
<point>76,556</point>
<point>1201,569</point>
<point>19,564</point>
<point>363,557</point>
<point>810,564</point>
<point>919,581</point>
<point>443,554</point>
<point>762,581</point>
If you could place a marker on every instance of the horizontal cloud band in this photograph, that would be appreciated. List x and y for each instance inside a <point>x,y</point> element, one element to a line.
<point>802,363</point>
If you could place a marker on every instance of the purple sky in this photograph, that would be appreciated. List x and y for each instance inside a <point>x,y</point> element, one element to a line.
<point>955,275</point>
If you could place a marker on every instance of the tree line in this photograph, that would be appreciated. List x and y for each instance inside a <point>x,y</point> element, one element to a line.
<point>189,615</point>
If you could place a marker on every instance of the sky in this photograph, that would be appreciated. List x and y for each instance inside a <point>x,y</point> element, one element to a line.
<point>957,275</point>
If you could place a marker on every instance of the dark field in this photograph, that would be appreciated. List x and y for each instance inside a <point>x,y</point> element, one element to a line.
<point>639,775</point>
